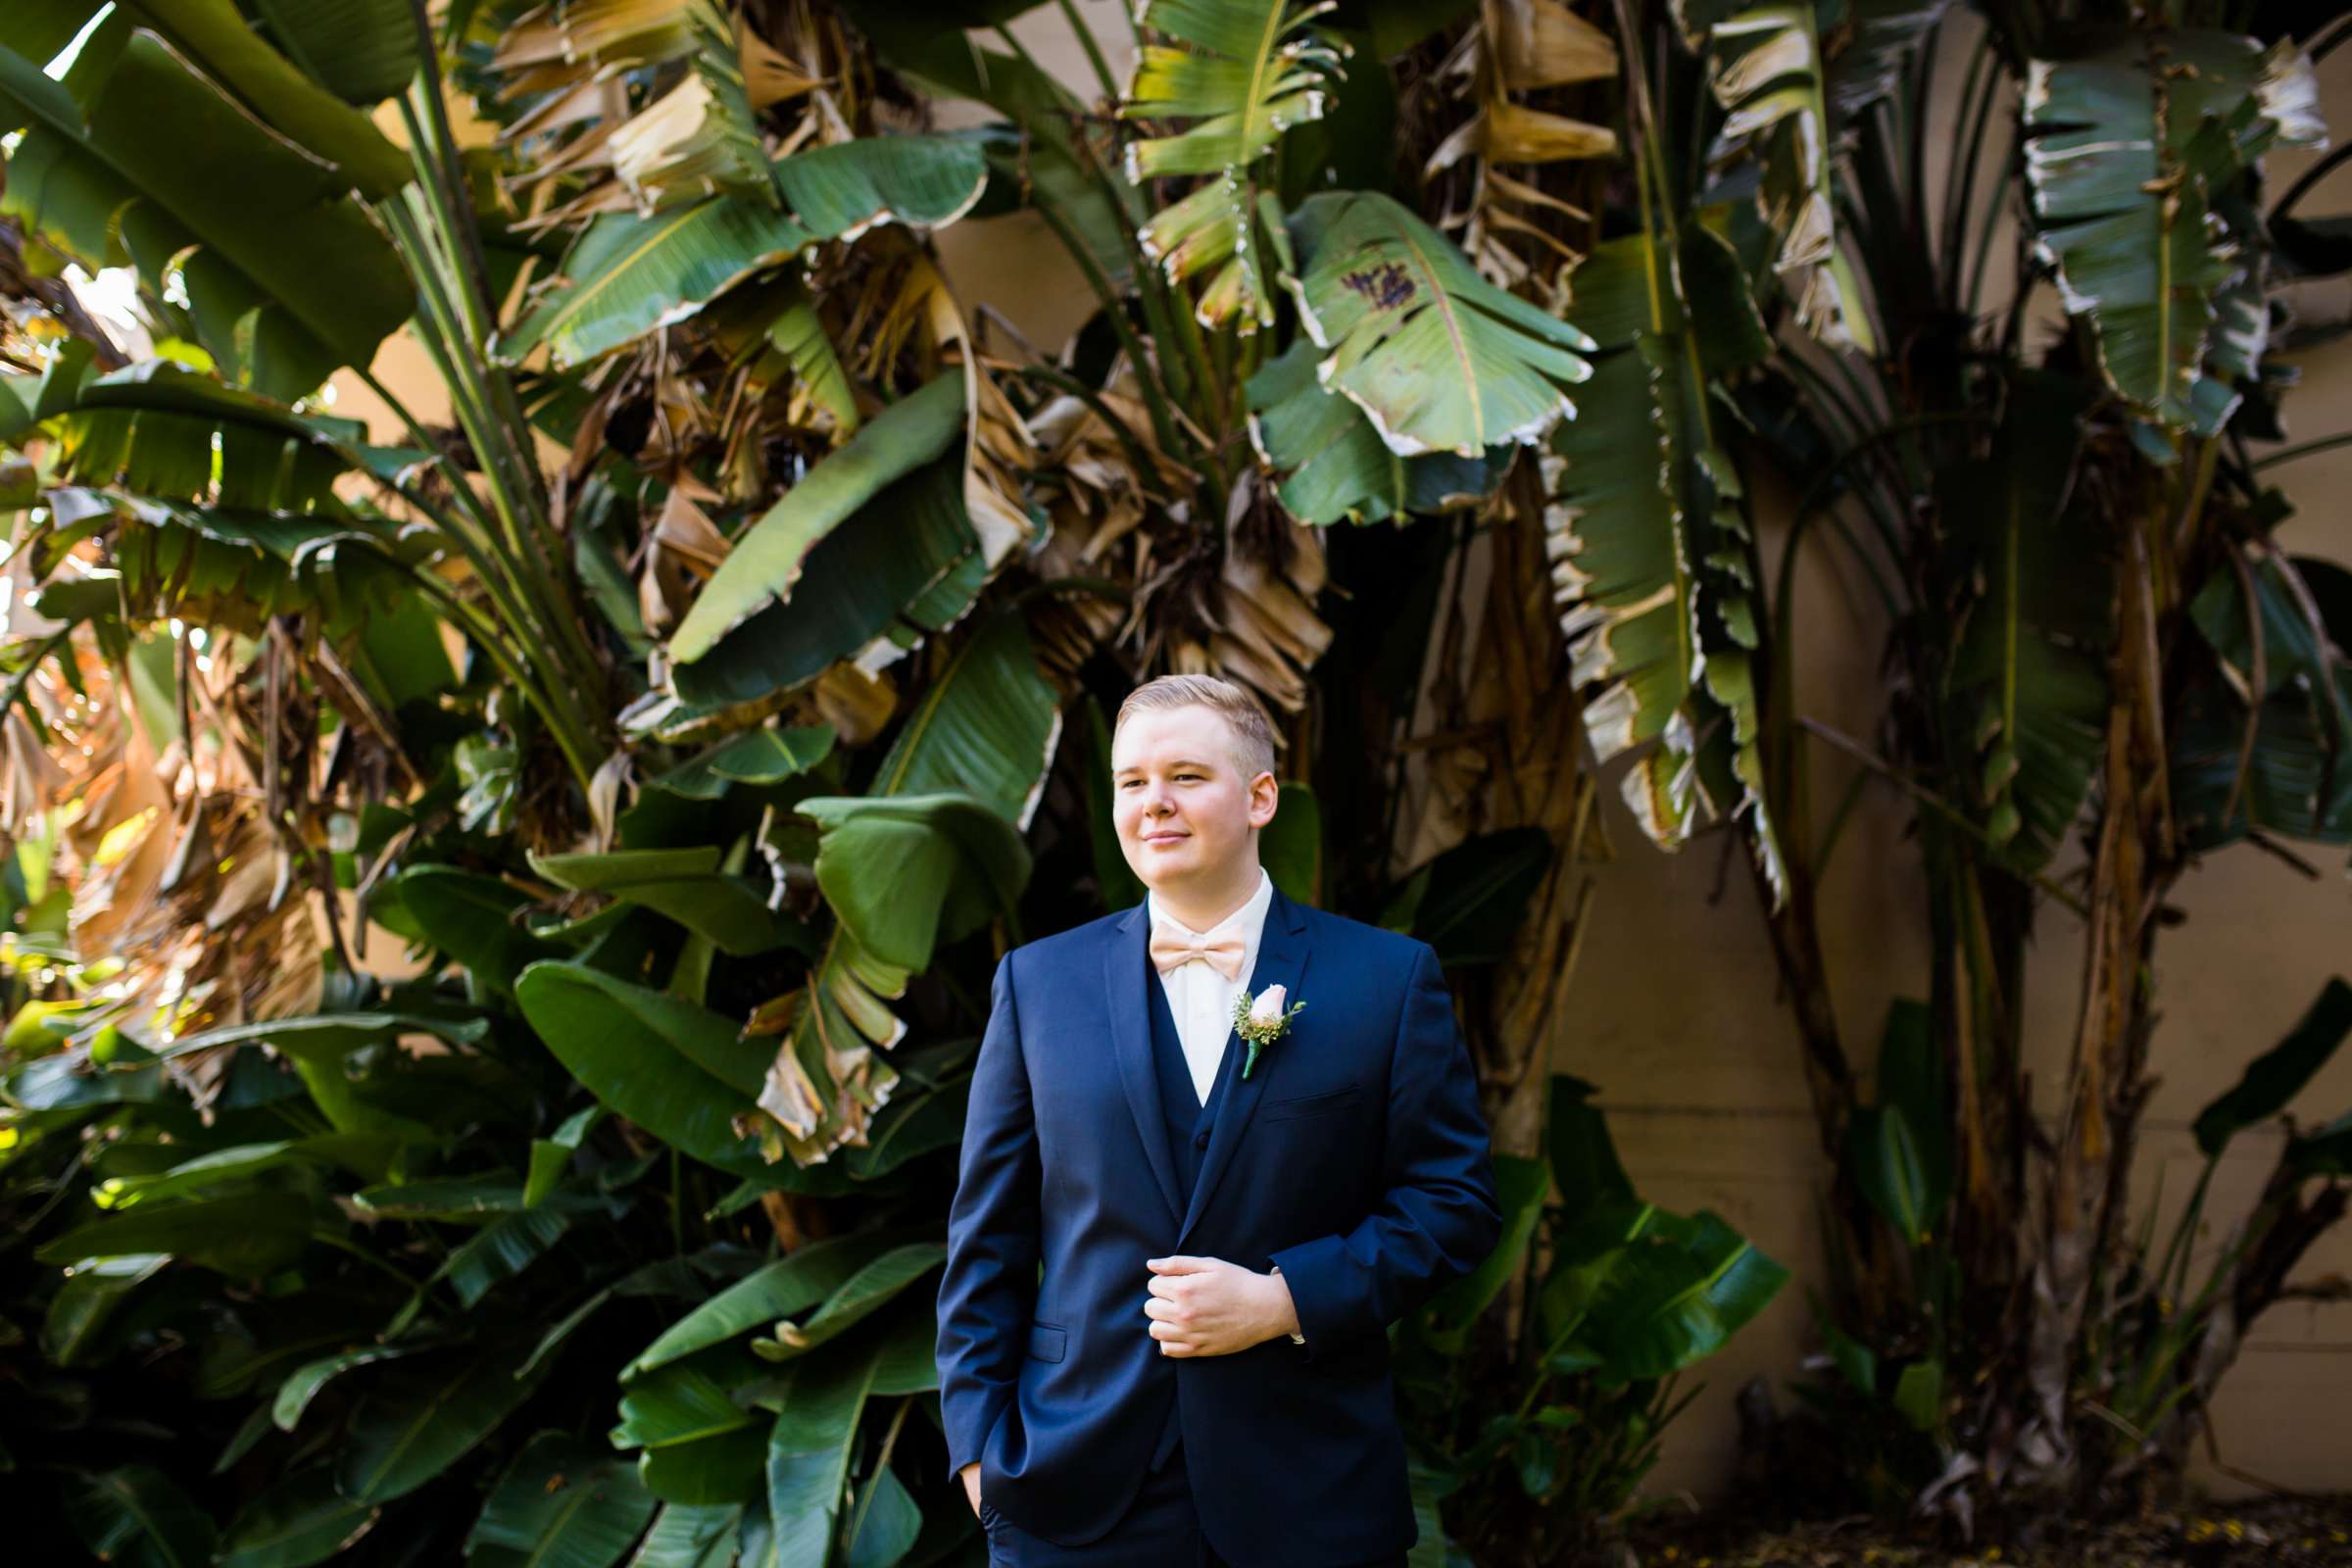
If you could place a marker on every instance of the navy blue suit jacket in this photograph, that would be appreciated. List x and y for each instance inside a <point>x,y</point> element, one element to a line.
<point>1354,1156</point>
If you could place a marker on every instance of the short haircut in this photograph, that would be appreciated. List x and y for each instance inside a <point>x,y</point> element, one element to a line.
<point>1253,744</point>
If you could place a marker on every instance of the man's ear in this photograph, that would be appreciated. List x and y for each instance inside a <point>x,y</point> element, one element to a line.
<point>1273,799</point>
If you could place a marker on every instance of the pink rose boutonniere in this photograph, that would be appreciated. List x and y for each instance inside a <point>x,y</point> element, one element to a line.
<point>1258,1022</point>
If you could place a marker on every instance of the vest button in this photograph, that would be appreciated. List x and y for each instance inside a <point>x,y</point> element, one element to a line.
<point>1200,1140</point>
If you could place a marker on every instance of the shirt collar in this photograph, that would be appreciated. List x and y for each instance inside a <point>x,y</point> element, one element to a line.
<point>1250,917</point>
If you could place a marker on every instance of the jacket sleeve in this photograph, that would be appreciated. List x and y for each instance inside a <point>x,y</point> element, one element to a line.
<point>989,1290</point>
<point>1440,1216</point>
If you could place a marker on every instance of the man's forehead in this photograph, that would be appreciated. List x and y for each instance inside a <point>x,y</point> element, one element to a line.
<point>1182,734</point>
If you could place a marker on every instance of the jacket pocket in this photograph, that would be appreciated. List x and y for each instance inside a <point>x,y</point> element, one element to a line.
<point>1331,1100</point>
<point>1047,1341</point>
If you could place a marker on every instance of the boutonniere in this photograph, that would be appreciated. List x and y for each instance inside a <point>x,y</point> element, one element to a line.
<point>1259,1022</point>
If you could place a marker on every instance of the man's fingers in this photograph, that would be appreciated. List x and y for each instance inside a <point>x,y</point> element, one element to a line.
<point>1178,1264</point>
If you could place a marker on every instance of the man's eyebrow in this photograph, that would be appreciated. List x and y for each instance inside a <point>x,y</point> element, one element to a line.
<point>1182,761</point>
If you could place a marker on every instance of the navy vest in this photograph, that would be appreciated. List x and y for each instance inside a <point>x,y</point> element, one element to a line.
<point>1188,1122</point>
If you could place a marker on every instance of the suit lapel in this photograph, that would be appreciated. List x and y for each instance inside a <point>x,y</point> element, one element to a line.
<point>1126,971</point>
<point>1282,952</point>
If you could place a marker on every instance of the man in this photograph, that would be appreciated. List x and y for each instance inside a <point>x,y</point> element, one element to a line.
<point>1171,1268</point>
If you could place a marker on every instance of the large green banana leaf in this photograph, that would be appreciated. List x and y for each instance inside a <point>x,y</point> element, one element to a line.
<point>250,1233</point>
<point>904,873</point>
<point>302,1385</point>
<point>687,1536</point>
<point>2142,130</point>
<point>934,852</point>
<point>2034,657</point>
<point>988,725</point>
<point>1675,1297</point>
<point>216,566</point>
<point>683,1403</point>
<point>1586,1169</point>
<point>1438,359</point>
<point>2273,1079</point>
<point>771,556</point>
<point>816,1434</point>
<point>1646,541</point>
<point>561,1504</point>
<point>136,1514</point>
<point>872,1287</point>
<point>687,885</point>
<point>1247,71</point>
<point>1331,461</point>
<point>301,1519</point>
<point>1899,1147</point>
<point>905,564</point>
<point>367,1156</point>
<point>1765,66</point>
<point>424,1417</point>
<point>283,93</point>
<point>785,1288</point>
<point>1038,153</point>
<point>763,755</point>
<point>680,1072</point>
<point>627,275</point>
<point>2285,766</point>
<point>474,918</point>
<point>160,429</point>
<point>285,277</point>
<point>363,51</point>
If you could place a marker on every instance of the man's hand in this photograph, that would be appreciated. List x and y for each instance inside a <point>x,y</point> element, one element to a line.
<point>1207,1307</point>
<point>969,1475</point>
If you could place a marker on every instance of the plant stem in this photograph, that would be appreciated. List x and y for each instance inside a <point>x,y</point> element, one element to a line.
<point>1146,373</point>
<point>1135,453</point>
<point>1929,798</point>
<point>2307,449</point>
<point>417,433</point>
<point>2310,177</point>
<point>569,731</point>
<point>24,679</point>
<point>1094,50</point>
<point>501,435</point>
<point>1975,111</point>
<point>340,1243</point>
<point>541,611</point>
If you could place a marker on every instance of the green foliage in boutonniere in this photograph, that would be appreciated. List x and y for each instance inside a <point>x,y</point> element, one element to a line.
<point>1258,1022</point>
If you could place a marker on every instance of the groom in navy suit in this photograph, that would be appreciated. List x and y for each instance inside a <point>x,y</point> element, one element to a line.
<point>1171,1269</point>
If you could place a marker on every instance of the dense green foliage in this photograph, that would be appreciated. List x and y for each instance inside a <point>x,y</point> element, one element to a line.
<point>501,899</point>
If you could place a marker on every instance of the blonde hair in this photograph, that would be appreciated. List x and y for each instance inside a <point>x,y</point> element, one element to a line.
<point>1253,737</point>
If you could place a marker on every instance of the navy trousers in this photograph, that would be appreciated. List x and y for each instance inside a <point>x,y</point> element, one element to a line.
<point>1161,1528</point>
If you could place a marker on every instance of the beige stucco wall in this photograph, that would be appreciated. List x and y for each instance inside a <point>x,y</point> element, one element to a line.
<point>1675,1013</point>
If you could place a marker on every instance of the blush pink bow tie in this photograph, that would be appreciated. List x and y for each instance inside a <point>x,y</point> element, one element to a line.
<point>1172,948</point>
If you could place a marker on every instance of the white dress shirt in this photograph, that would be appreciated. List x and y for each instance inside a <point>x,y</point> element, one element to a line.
<point>1200,998</point>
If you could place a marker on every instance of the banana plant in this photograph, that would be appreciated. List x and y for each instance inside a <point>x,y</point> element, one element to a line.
<point>1626,1298</point>
<point>1798,297</point>
<point>659,704</point>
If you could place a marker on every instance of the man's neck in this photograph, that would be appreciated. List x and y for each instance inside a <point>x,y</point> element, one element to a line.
<point>1201,909</point>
